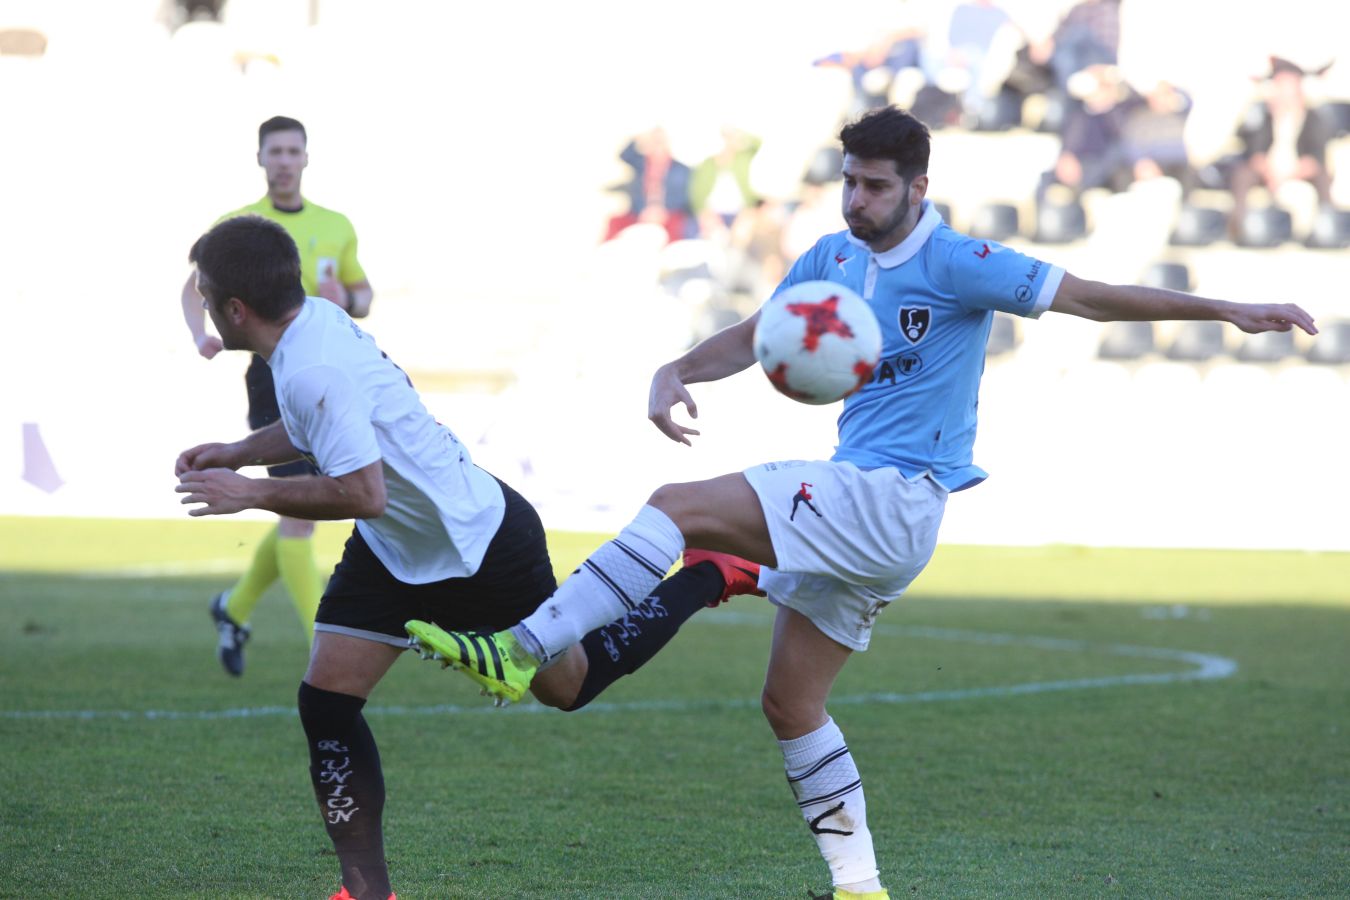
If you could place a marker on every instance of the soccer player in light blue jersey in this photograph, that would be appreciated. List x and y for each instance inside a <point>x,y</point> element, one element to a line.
<point>905,443</point>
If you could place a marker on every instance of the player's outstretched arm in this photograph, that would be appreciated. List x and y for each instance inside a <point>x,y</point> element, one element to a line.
<point>268,446</point>
<point>207,345</point>
<point>356,495</point>
<point>1127,302</point>
<point>729,351</point>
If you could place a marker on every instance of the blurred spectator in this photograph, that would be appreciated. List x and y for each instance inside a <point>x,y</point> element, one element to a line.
<point>874,67</point>
<point>1152,134</point>
<point>971,53</point>
<point>719,188</point>
<point>1091,151</point>
<point>1088,35</point>
<point>1282,140</point>
<point>658,192</point>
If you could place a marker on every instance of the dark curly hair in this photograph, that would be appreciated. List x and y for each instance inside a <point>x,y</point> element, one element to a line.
<point>889,133</point>
<point>253,259</point>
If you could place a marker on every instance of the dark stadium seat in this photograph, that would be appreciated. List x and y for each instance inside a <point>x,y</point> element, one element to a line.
<point>1267,347</point>
<point>1197,342</point>
<point>1199,226</point>
<point>1265,226</point>
<point>1126,340</point>
<point>1060,221</point>
<point>995,222</point>
<point>1056,109</point>
<point>1331,347</point>
<point>1330,230</point>
<point>1000,112</point>
<point>825,166</point>
<point>1002,335</point>
<point>1336,114</point>
<point>1173,276</point>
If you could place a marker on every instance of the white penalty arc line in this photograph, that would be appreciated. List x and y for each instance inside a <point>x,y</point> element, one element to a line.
<point>1205,667</point>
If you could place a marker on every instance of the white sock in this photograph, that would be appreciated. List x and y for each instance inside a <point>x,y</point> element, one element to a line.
<point>609,584</point>
<point>829,792</point>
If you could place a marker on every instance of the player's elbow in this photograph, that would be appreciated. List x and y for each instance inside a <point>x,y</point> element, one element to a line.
<point>373,503</point>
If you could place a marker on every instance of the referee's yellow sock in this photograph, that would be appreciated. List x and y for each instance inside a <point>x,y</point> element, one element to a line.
<point>295,559</point>
<point>248,590</point>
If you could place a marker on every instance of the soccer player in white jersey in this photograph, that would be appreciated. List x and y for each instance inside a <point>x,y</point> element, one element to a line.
<point>905,443</point>
<point>436,537</point>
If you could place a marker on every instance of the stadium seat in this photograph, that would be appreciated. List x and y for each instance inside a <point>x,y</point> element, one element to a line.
<point>1052,109</point>
<point>825,166</point>
<point>1267,347</point>
<point>1173,276</point>
<point>1126,340</point>
<point>1060,221</point>
<point>1000,112</point>
<point>1197,342</point>
<point>1199,226</point>
<point>1266,226</point>
<point>1331,347</point>
<point>1330,230</point>
<point>995,222</point>
<point>1336,114</point>
<point>1002,335</point>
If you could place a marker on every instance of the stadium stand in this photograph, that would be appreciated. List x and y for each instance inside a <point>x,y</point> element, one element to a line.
<point>1126,341</point>
<point>1197,342</point>
<point>1331,347</point>
<point>1270,347</point>
<point>1002,335</point>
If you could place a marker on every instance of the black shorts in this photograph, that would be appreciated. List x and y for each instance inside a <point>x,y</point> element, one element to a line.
<point>363,599</point>
<point>263,411</point>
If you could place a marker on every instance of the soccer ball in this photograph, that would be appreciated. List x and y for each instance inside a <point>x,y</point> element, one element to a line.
<point>817,341</point>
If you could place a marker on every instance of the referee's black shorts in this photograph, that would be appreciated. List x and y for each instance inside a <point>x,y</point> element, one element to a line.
<point>364,600</point>
<point>263,411</point>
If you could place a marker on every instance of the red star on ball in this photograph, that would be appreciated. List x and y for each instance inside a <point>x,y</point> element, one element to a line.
<point>821,319</point>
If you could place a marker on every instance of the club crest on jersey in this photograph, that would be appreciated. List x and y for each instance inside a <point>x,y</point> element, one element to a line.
<point>914,322</point>
<point>840,259</point>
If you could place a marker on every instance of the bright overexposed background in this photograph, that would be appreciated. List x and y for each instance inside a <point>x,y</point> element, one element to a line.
<point>472,145</point>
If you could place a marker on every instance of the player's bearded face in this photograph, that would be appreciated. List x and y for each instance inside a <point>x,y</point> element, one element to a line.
<point>876,200</point>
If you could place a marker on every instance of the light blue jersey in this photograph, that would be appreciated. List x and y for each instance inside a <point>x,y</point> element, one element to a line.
<point>934,295</point>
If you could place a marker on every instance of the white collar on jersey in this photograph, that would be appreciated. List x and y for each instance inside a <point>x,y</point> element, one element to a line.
<point>928,222</point>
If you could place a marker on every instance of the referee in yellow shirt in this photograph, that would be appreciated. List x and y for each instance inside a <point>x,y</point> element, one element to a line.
<point>329,269</point>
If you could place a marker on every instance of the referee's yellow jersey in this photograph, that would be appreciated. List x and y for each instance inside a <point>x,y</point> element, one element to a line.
<point>325,238</point>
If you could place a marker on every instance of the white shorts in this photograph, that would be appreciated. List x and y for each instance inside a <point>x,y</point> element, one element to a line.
<point>848,541</point>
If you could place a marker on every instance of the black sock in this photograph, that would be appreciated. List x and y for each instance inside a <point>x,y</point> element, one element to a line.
<point>344,765</point>
<point>625,645</point>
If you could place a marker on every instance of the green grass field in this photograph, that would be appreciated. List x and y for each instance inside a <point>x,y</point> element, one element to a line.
<point>1049,722</point>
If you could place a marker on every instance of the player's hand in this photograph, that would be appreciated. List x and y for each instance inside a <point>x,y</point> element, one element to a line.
<point>667,390</point>
<point>333,291</point>
<point>220,491</point>
<point>204,456</point>
<point>208,345</point>
<point>1255,318</point>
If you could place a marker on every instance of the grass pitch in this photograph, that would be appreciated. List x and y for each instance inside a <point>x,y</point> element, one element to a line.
<point>1053,722</point>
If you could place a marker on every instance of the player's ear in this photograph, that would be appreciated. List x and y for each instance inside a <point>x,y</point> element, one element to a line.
<point>918,189</point>
<point>235,311</point>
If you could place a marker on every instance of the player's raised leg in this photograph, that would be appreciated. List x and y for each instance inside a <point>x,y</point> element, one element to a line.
<point>722,513</point>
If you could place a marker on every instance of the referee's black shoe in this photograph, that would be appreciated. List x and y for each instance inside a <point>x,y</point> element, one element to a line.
<point>231,637</point>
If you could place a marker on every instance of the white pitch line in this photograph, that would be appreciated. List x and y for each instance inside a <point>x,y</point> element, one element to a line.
<point>1207,667</point>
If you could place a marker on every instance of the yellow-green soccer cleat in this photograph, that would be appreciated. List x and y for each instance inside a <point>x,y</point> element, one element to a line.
<point>841,894</point>
<point>496,662</point>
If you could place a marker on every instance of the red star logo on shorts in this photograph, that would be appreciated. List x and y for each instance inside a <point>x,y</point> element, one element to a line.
<point>821,318</point>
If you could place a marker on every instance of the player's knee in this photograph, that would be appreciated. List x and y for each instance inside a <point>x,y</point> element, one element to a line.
<point>789,717</point>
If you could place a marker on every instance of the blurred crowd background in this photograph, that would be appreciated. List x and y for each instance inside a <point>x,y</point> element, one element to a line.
<point>553,198</point>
